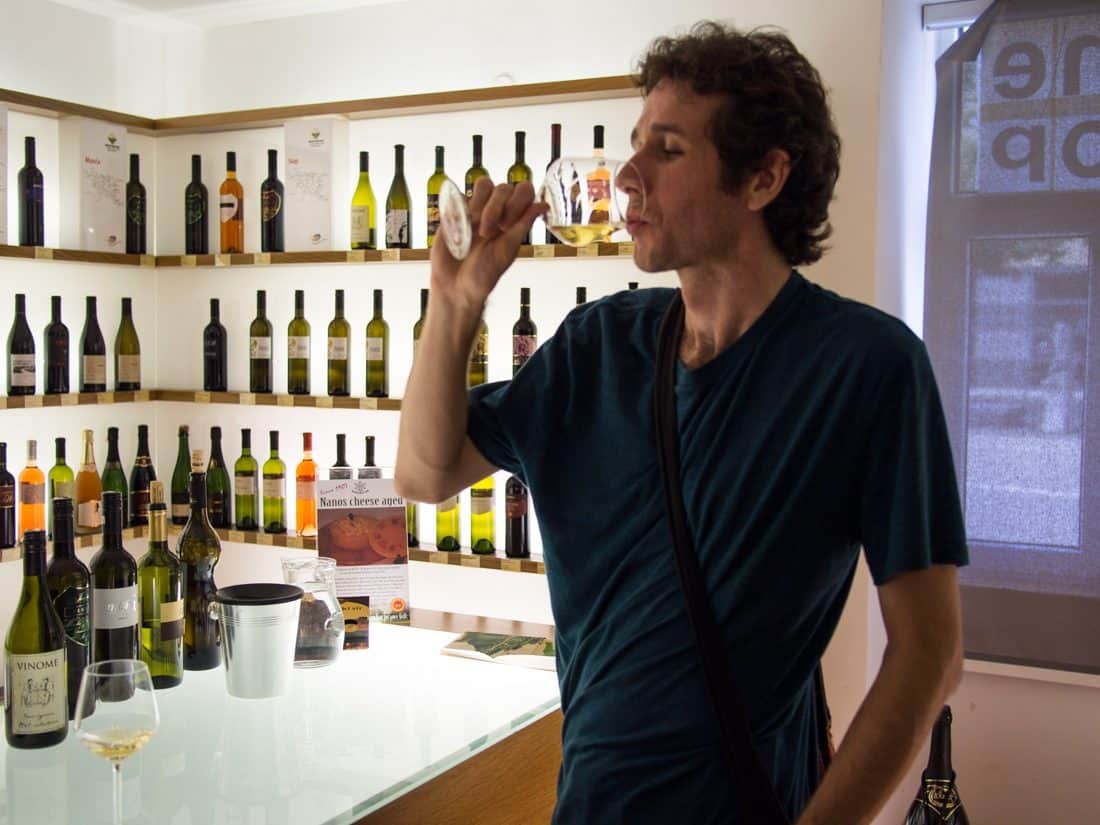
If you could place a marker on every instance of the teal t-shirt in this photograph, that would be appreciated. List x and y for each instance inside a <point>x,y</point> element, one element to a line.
<point>819,431</point>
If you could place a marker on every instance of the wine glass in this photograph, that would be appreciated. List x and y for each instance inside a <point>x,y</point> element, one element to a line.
<point>116,714</point>
<point>587,200</point>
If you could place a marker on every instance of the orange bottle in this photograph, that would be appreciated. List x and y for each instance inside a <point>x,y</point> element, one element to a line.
<point>305,476</point>
<point>231,207</point>
<point>32,493</point>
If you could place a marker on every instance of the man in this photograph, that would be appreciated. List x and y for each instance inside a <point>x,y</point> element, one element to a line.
<point>809,425</point>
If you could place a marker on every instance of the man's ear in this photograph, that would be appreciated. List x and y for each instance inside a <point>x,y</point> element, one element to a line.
<point>764,185</point>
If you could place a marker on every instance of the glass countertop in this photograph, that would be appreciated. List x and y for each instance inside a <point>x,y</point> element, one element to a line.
<point>344,741</point>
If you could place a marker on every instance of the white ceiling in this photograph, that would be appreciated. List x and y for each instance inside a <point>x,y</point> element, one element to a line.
<point>209,14</point>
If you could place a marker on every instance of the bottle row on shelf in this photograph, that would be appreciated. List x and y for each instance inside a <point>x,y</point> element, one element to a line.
<point>231,199</point>
<point>22,368</point>
<point>253,498</point>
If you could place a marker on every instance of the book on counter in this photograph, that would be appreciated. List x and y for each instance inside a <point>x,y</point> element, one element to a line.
<point>525,651</point>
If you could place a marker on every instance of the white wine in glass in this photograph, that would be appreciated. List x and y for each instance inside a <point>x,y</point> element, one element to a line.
<point>116,715</point>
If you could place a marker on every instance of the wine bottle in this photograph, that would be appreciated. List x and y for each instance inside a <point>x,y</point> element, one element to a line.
<point>36,706</point>
<point>478,367</point>
<point>127,351</point>
<point>378,352</point>
<point>215,358</point>
<point>246,493</point>
<point>555,153</point>
<point>32,493</point>
<point>57,350</point>
<point>259,347</point>
<point>447,525</point>
<point>516,542</point>
<point>937,801</point>
<point>93,351</point>
<point>135,209</point>
<point>435,182</point>
<point>363,208</point>
<point>305,499</point>
<point>582,295</point>
<point>482,519</point>
<point>114,590</point>
<point>631,285</point>
<point>341,469</point>
<point>599,182</point>
<point>21,377</point>
<point>412,523</point>
<point>7,501</point>
<point>89,491</point>
<point>231,208</point>
<point>339,345</point>
<point>411,513</point>
<point>181,477</point>
<point>199,551</point>
<point>219,494</point>
<point>519,171</point>
<point>114,477</point>
<point>274,489</point>
<point>297,348</point>
<point>369,468</point>
<point>524,332</point>
<point>272,217</point>
<point>32,213</point>
<point>60,482</point>
<point>141,478</point>
<point>160,586</point>
<point>398,204</point>
<point>196,228</point>
<point>69,583</point>
<point>418,327</point>
<point>476,170</point>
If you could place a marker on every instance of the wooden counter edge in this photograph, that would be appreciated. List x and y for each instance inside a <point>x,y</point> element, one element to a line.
<point>513,782</point>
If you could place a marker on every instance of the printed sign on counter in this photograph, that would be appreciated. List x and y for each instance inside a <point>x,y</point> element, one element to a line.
<point>361,523</point>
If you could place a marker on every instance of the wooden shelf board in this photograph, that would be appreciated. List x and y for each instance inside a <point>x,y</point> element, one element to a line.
<point>51,107</point>
<point>467,558</point>
<point>20,402</point>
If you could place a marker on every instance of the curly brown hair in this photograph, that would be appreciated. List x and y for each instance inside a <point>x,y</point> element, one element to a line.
<point>774,100</point>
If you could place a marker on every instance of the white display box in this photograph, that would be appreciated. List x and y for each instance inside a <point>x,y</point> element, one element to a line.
<point>94,168</point>
<point>318,184</point>
<point>3,174</point>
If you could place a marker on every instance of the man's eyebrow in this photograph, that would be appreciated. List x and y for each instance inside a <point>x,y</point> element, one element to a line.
<point>661,128</point>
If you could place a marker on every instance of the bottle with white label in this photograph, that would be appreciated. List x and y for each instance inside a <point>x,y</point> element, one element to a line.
<point>297,348</point>
<point>398,205</point>
<point>114,590</point>
<point>369,468</point>
<point>339,343</point>
<point>341,469</point>
<point>246,493</point>
<point>259,347</point>
<point>127,351</point>
<point>274,489</point>
<point>36,710</point>
<point>93,351</point>
<point>161,597</point>
<point>21,375</point>
<point>378,352</point>
<point>89,491</point>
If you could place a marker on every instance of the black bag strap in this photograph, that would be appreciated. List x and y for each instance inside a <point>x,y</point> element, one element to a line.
<point>755,791</point>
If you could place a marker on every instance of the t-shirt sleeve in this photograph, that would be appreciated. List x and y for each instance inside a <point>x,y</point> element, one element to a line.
<point>910,515</point>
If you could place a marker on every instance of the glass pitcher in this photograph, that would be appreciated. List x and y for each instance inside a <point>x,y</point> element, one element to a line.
<point>320,621</point>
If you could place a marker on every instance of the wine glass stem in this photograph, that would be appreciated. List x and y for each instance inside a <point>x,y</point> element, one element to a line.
<point>116,790</point>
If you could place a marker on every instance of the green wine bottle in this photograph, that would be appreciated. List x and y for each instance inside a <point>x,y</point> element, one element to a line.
<point>274,489</point>
<point>447,525</point>
<point>160,587</point>
<point>199,551</point>
<point>476,170</point>
<point>297,348</point>
<point>246,493</point>
<point>519,171</point>
<point>60,481</point>
<point>181,475</point>
<point>114,477</point>
<point>937,801</point>
<point>259,347</point>
<point>477,371</point>
<point>363,208</point>
<point>482,517</point>
<point>435,183</point>
<point>127,351</point>
<point>339,346</point>
<point>36,706</point>
<point>70,585</point>
<point>398,205</point>
<point>219,501</point>
<point>378,352</point>
<point>141,476</point>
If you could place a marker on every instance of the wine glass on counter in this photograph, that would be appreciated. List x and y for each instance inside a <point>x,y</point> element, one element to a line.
<point>116,715</point>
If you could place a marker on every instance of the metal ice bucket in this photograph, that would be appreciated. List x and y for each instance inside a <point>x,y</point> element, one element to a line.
<point>259,624</point>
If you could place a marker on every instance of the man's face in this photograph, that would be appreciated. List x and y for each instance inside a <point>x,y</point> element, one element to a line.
<point>688,220</point>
